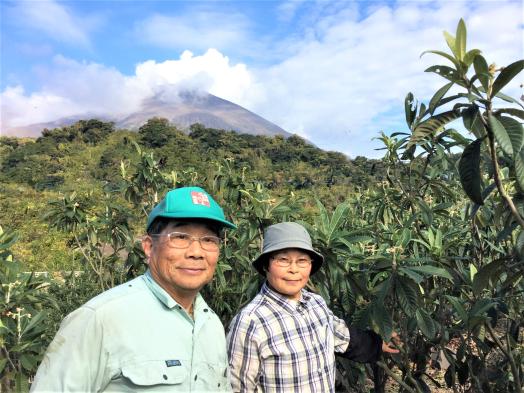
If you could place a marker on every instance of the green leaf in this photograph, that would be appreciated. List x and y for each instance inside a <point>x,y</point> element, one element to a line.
<point>407,293</point>
<point>21,383</point>
<point>519,245</point>
<point>482,71</point>
<point>429,127</point>
<point>459,308</point>
<point>470,56</point>
<point>519,167</point>
<point>506,75</point>
<point>34,320</point>
<point>487,273</point>
<point>410,109</point>
<point>337,220</point>
<point>472,272</point>
<point>411,274</point>
<point>435,100</point>
<point>443,54</point>
<point>515,131</point>
<point>513,111</point>
<point>381,320</point>
<point>425,323</point>
<point>3,362</point>
<point>432,271</point>
<point>501,135</point>
<point>445,72</point>
<point>452,43</point>
<point>460,41</point>
<point>469,171</point>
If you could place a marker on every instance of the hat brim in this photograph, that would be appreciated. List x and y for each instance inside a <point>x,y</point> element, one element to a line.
<point>222,223</point>
<point>318,259</point>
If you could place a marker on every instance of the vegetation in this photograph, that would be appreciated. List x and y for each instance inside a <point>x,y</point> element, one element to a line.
<point>428,241</point>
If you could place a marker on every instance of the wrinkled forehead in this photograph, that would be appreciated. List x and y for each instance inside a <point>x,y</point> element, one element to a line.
<point>181,224</point>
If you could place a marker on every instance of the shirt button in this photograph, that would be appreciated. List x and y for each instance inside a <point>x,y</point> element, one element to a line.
<point>196,376</point>
<point>206,310</point>
<point>164,376</point>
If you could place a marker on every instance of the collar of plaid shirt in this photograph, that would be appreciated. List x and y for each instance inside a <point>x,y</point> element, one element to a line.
<point>281,300</point>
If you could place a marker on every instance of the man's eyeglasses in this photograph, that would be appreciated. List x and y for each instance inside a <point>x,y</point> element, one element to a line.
<point>286,262</point>
<point>184,240</point>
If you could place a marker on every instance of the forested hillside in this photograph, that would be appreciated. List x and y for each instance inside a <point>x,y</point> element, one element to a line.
<point>88,157</point>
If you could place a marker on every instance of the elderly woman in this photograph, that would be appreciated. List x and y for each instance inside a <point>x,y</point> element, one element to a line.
<point>285,339</point>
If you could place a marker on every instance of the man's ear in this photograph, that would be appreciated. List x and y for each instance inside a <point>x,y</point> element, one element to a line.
<point>147,246</point>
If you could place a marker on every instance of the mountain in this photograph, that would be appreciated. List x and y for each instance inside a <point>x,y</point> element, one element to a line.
<point>181,109</point>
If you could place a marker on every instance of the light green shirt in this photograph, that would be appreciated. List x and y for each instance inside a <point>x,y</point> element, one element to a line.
<point>135,338</point>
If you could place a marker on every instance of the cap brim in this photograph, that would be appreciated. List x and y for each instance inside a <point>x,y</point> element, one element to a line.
<point>222,223</point>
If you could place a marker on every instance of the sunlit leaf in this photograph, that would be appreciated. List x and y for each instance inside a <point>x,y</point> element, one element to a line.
<point>501,135</point>
<point>515,132</point>
<point>506,75</point>
<point>470,56</point>
<point>443,54</point>
<point>435,100</point>
<point>432,271</point>
<point>428,128</point>
<point>452,43</point>
<point>460,41</point>
<point>445,72</point>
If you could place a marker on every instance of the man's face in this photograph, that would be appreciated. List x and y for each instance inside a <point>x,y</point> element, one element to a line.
<point>181,271</point>
<point>289,280</point>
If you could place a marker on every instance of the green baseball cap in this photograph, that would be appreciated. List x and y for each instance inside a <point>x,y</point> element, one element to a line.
<point>187,203</point>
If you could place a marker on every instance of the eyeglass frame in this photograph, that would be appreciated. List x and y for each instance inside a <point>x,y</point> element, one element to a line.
<point>190,240</point>
<point>279,260</point>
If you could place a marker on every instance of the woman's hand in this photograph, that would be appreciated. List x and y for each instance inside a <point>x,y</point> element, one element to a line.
<point>393,344</point>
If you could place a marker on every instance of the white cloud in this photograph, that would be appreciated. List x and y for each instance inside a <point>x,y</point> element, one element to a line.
<point>73,88</point>
<point>198,30</point>
<point>54,20</point>
<point>343,80</point>
<point>350,74</point>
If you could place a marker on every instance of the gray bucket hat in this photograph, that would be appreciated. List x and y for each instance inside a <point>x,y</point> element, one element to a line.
<point>287,235</point>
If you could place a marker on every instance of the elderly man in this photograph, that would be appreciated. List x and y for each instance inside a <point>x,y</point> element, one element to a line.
<point>285,339</point>
<point>154,333</point>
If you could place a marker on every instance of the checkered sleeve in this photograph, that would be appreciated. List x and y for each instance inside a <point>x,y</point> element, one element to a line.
<point>341,333</point>
<point>243,354</point>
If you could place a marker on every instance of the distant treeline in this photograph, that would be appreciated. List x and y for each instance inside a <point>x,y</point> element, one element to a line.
<point>92,150</point>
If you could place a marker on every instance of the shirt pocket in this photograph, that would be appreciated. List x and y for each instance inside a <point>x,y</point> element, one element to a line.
<point>154,372</point>
<point>212,377</point>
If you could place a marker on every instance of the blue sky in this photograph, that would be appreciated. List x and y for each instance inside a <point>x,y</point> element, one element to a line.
<point>334,72</point>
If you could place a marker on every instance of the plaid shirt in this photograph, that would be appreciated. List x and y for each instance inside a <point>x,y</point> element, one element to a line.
<point>277,345</point>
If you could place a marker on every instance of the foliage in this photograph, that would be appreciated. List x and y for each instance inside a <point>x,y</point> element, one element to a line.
<point>22,313</point>
<point>427,241</point>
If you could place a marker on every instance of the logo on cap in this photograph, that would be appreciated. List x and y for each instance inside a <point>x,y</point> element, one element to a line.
<point>199,198</point>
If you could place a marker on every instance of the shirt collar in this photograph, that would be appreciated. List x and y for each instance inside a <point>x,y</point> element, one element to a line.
<point>165,298</point>
<point>283,301</point>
